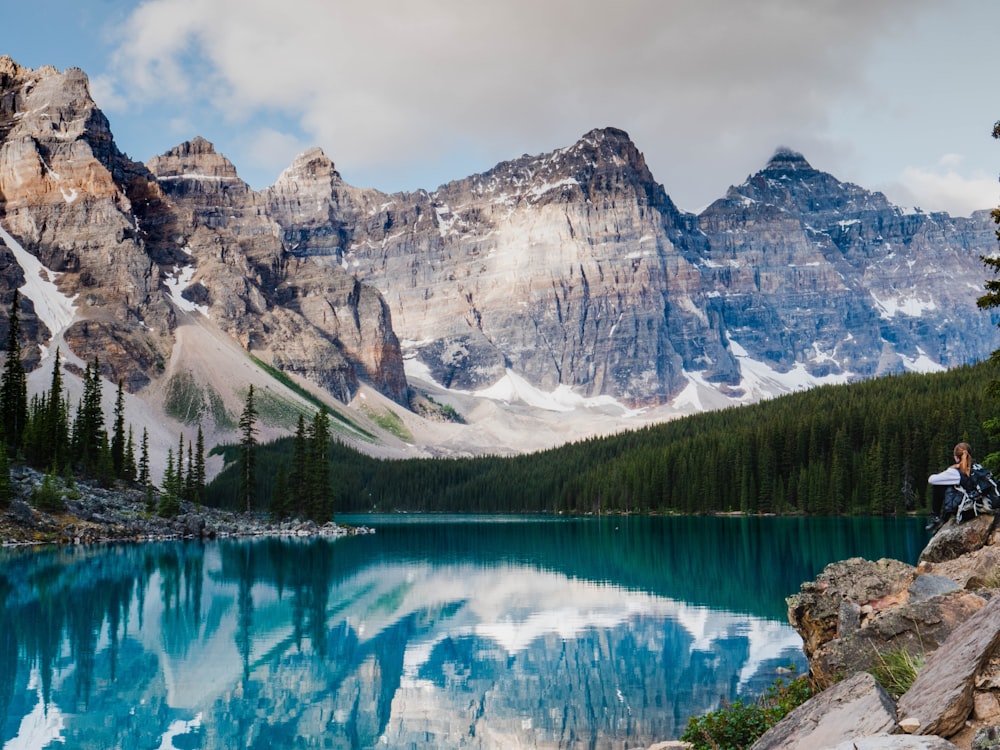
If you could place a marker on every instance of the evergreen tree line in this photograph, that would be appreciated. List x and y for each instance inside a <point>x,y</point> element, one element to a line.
<point>42,433</point>
<point>860,449</point>
<point>289,478</point>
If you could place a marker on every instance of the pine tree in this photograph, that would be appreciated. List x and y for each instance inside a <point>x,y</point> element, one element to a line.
<point>179,468</point>
<point>199,467</point>
<point>300,468</point>
<point>104,469</point>
<point>169,501</point>
<point>89,423</point>
<point>128,467</point>
<point>14,383</point>
<point>318,477</point>
<point>118,432</point>
<point>190,480</point>
<point>248,450</point>
<point>144,478</point>
<point>56,425</point>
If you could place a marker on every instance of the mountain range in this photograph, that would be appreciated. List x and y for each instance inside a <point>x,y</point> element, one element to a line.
<point>550,298</point>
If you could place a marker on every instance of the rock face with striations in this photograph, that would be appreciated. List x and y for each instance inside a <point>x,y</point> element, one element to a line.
<point>560,267</point>
<point>64,193</point>
<point>574,268</point>
<point>304,315</point>
<point>808,271</point>
<point>119,238</point>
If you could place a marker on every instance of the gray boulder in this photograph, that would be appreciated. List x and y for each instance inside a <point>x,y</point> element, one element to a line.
<point>954,540</point>
<point>941,697</point>
<point>856,707</point>
<point>895,742</point>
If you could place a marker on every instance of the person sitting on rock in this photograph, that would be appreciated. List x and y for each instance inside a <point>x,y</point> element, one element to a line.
<point>946,482</point>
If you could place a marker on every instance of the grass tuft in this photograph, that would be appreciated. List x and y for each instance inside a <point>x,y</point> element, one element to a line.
<point>896,670</point>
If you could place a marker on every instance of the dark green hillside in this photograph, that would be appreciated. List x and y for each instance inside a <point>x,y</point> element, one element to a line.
<point>864,448</point>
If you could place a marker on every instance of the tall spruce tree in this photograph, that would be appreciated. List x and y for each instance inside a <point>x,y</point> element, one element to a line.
<point>199,467</point>
<point>299,470</point>
<point>118,432</point>
<point>179,470</point>
<point>89,424</point>
<point>248,452</point>
<point>318,478</point>
<point>56,427</point>
<point>144,478</point>
<point>128,466</point>
<point>14,383</point>
<point>170,504</point>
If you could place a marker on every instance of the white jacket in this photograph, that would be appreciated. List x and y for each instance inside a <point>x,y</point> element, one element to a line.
<point>951,475</point>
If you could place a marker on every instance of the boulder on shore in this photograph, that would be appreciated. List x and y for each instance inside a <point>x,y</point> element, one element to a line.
<point>945,611</point>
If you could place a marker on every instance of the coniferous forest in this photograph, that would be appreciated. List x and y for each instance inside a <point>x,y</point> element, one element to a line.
<point>861,449</point>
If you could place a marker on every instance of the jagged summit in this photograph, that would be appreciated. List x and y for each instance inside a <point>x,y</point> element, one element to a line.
<point>311,164</point>
<point>8,67</point>
<point>787,160</point>
<point>197,146</point>
<point>194,160</point>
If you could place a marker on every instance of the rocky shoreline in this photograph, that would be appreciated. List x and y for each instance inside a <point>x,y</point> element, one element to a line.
<point>943,615</point>
<point>93,514</point>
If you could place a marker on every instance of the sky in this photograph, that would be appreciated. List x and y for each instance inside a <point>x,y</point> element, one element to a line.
<point>893,95</point>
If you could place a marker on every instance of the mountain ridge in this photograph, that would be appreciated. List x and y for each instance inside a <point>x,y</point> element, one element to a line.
<point>566,282</point>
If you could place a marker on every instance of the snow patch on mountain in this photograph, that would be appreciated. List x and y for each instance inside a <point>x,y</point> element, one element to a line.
<point>513,389</point>
<point>910,306</point>
<point>176,283</point>
<point>52,307</point>
<point>761,381</point>
<point>921,363</point>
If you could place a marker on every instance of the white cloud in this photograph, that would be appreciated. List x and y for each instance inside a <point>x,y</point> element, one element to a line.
<point>707,89</point>
<point>943,189</point>
<point>102,89</point>
<point>271,149</point>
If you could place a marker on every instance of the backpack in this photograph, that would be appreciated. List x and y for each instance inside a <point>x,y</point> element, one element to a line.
<point>982,487</point>
<point>974,493</point>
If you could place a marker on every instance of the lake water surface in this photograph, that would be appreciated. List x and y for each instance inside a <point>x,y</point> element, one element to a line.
<point>433,632</point>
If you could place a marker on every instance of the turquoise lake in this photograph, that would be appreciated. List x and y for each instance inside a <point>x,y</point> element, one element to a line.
<point>432,632</point>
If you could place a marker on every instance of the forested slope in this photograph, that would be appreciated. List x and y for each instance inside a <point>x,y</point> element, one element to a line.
<point>863,448</point>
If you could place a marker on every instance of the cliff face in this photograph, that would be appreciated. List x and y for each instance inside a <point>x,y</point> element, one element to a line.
<point>63,194</point>
<point>135,247</point>
<point>575,269</point>
<point>572,269</point>
<point>558,267</point>
<point>806,270</point>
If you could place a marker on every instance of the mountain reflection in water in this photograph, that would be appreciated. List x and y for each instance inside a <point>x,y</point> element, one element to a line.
<point>433,632</point>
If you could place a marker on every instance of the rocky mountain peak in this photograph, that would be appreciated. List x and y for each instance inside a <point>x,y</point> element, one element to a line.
<point>792,184</point>
<point>604,148</point>
<point>602,161</point>
<point>310,165</point>
<point>8,69</point>
<point>787,160</point>
<point>196,159</point>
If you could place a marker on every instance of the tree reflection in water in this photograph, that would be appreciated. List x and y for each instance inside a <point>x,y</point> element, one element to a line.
<point>428,633</point>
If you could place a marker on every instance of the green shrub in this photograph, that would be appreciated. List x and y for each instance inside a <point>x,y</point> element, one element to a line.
<point>170,505</point>
<point>738,725</point>
<point>48,496</point>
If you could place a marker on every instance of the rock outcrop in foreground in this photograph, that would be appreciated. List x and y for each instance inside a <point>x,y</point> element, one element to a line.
<point>858,617</point>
